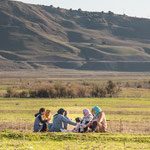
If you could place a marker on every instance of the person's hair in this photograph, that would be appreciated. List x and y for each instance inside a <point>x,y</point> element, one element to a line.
<point>47,112</point>
<point>78,119</point>
<point>61,111</point>
<point>41,110</point>
<point>92,110</point>
<point>66,113</point>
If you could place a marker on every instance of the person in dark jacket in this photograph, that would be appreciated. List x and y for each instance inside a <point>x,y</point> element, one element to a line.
<point>59,120</point>
<point>40,124</point>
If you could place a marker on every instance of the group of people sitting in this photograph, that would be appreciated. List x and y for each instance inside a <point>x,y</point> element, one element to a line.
<point>92,121</point>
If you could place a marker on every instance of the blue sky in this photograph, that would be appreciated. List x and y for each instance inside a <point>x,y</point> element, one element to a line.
<point>138,8</point>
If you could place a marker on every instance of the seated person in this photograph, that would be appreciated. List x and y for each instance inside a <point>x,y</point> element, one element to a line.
<point>59,120</point>
<point>78,121</point>
<point>48,116</point>
<point>85,120</point>
<point>39,123</point>
<point>98,123</point>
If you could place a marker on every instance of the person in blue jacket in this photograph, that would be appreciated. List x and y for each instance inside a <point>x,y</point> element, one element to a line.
<point>59,120</point>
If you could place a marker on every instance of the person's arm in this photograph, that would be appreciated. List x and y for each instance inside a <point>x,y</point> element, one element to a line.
<point>86,125</point>
<point>41,120</point>
<point>68,121</point>
<point>100,116</point>
<point>65,125</point>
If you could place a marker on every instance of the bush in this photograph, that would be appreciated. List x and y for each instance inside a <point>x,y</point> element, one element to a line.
<point>127,85</point>
<point>139,86</point>
<point>42,92</point>
<point>33,93</point>
<point>81,92</point>
<point>61,90</point>
<point>56,90</point>
<point>71,93</point>
<point>24,94</point>
<point>110,13</point>
<point>112,89</point>
<point>98,92</point>
<point>52,92</point>
<point>85,83</point>
<point>11,92</point>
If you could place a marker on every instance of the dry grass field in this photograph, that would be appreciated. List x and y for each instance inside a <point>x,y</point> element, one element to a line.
<point>127,114</point>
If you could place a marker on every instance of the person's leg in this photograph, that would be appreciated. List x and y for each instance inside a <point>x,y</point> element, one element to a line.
<point>49,126</point>
<point>44,127</point>
<point>94,126</point>
<point>85,129</point>
<point>101,128</point>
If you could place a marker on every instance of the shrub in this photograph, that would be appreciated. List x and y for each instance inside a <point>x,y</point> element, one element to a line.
<point>127,84</point>
<point>98,92</point>
<point>33,93</point>
<point>139,86</point>
<point>110,13</point>
<point>42,92</point>
<point>60,90</point>
<point>63,91</point>
<point>71,93</point>
<point>11,92</point>
<point>85,83</point>
<point>57,90</point>
<point>81,92</point>
<point>24,94</point>
<point>52,92</point>
<point>112,89</point>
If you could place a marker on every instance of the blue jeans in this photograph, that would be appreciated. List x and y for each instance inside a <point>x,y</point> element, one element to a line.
<point>49,126</point>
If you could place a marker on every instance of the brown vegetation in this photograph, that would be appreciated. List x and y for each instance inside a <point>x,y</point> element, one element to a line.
<point>61,90</point>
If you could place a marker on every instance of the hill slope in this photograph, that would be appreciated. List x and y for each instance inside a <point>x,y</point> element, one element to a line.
<point>41,37</point>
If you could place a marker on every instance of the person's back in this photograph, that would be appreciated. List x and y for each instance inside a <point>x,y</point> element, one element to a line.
<point>39,123</point>
<point>58,123</point>
<point>101,118</point>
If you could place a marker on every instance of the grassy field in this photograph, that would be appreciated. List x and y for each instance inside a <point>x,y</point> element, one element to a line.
<point>128,128</point>
<point>23,141</point>
<point>128,117</point>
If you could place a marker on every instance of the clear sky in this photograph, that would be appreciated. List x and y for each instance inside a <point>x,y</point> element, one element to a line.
<point>139,8</point>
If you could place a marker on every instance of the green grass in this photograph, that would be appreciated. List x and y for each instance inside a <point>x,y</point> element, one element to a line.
<point>128,127</point>
<point>127,109</point>
<point>14,140</point>
<point>114,107</point>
